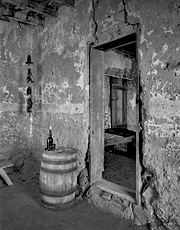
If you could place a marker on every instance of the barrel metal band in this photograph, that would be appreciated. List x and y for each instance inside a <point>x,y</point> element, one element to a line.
<point>55,171</point>
<point>58,194</point>
<point>58,162</point>
<point>57,206</point>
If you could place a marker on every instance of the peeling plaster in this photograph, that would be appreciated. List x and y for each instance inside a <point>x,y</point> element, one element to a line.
<point>80,69</point>
<point>177,72</point>
<point>161,107</point>
<point>150,32</point>
<point>157,61</point>
<point>140,53</point>
<point>167,30</point>
<point>165,48</point>
<point>133,101</point>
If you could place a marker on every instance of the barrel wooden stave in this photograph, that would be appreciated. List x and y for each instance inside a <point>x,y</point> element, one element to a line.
<point>58,178</point>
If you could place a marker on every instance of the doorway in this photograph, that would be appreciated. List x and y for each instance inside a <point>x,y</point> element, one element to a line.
<point>114,115</point>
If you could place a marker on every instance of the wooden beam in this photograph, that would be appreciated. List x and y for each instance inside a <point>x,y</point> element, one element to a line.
<point>65,2</point>
<point>138,130</point>
<point>34,7</point>
<point>5,177</point>
<point>120,191</point>
<point>119,46</point>
<point>120,87</point>
<point>23,21</point>
<point>118,76</point>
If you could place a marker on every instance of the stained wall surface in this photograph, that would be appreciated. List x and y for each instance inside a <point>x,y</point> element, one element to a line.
<point>16,129</point>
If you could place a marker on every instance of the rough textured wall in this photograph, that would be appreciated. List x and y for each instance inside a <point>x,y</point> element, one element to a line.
<point>60,91</point>
<point>16,42</point>
<point>159,70</point>
<point>64,78</point>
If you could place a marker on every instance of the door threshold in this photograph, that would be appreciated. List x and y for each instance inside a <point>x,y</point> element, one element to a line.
<point>115,189</point>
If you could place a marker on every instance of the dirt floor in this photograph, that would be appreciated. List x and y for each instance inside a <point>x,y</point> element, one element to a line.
<point>119,168</point>
<point>21,209</point>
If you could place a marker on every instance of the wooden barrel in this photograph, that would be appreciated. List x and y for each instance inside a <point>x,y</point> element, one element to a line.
<point>58,178</point>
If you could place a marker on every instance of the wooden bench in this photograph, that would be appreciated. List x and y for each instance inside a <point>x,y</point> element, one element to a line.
<point>117,136</point>
<point>5,164</point>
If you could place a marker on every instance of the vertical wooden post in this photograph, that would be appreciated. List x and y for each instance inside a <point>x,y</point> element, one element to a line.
<point>138,165</point>
<point>96,114</point>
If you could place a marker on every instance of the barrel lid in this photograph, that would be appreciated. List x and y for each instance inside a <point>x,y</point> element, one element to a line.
<point>61,151</point>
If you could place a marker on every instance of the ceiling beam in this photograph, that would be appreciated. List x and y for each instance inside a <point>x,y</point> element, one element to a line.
<point>24,21</point>
<point>70,3</point>
<point>33,7</point>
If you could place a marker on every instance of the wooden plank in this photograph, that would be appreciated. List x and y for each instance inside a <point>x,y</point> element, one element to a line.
<point>124,103</point>
<point>96,114</point>
<point>5,177</point>
<point>120,87</point>
<point>33,7</point>
<point>20,20</point>
<point>5,163</point>
<point>121,191</point>
<point>138,149</point>
<point>114,98</point>
<point>122,45</point>
<point>65,2</point>
<point>116,76</point>
<point>122,36</point>
<point>118,140</point>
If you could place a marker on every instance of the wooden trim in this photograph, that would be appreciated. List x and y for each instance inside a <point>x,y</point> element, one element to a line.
<point>119,46</point>
<point>117,76</point>
<point>65,2</point>
<point>138,166</point>
<point>21,20</point>
<point>96,114</point>
<point>124,103</point>
<point>96,46</point>
<point>120,191</point>
<point>120,87</point>
<point>97,178</point>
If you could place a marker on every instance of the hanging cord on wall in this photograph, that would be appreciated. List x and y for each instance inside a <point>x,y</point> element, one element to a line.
<point>29,88</point>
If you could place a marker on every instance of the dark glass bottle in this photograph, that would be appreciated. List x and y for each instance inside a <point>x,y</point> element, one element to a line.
<point>50,140</point>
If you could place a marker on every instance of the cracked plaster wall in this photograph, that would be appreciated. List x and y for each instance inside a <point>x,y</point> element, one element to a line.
<point>60,94</point>
<point>64,71</point>
<point>160,71</point>
<point>16,42</point>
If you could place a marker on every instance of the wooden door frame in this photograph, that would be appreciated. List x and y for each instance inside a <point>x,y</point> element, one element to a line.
<point>97,73</point>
